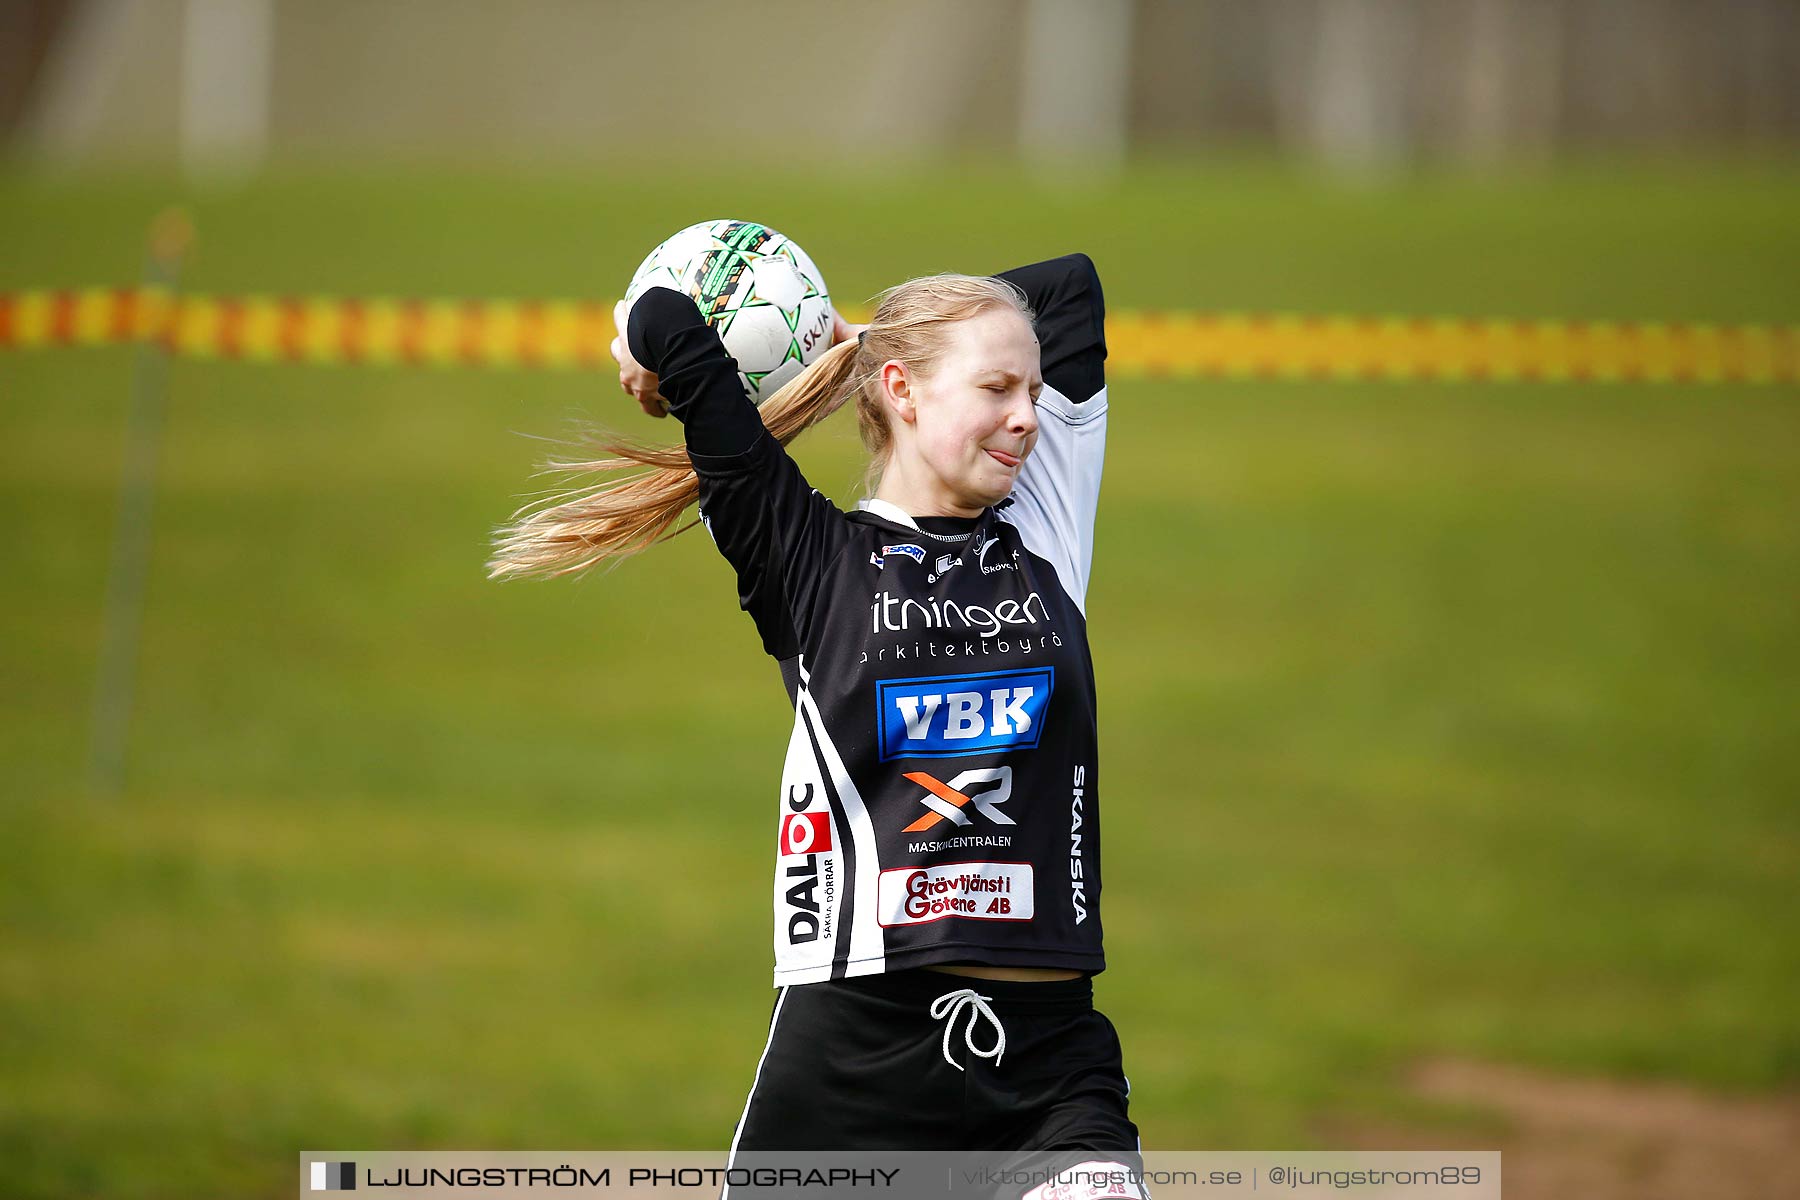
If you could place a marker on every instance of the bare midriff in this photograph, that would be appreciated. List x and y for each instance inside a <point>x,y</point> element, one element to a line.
<point>1015,974</point>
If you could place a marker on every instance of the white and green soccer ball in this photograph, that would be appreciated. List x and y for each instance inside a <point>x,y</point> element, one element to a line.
<point>757,288</point>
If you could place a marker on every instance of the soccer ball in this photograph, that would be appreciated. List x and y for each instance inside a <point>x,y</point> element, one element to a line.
<point>756,287</point>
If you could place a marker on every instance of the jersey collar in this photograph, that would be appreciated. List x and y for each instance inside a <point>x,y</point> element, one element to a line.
<point>889,511</point>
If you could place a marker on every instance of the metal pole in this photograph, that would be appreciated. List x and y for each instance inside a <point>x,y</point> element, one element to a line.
<point>170,235</point>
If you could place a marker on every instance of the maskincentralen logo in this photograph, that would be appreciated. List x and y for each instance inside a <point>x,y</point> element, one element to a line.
<point>947,800</point>
<point>334,1177</point>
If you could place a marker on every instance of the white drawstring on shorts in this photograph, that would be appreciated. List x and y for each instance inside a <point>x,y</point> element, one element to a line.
<point>946,1007</point>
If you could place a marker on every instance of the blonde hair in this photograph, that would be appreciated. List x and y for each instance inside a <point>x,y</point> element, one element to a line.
<point>644,489</point>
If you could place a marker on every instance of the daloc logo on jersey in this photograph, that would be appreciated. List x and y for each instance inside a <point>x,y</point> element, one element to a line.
<point>805,832</point>
<point>943,716</point>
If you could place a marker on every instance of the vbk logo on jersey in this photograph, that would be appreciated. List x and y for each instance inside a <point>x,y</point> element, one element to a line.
<point>916,553</point>
<point>805,832</point>
<point>943,716</point>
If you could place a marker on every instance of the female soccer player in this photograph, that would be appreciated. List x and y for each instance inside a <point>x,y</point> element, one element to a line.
<point>937,882</point>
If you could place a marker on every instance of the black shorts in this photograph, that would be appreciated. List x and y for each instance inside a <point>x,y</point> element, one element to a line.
<point>860,1064</point>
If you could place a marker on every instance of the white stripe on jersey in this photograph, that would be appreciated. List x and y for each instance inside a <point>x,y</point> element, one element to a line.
<point>868,951</point>
<point>868,955</point>
<point>804,962</point>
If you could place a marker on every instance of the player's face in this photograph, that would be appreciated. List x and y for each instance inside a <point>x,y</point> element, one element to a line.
<point>976,413</point>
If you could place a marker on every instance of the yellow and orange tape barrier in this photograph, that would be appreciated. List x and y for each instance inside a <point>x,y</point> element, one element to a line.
<point>575,335</point>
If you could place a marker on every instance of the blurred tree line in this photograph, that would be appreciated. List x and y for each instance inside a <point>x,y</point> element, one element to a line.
<point>1355,84</point>
<point>1361,83</point>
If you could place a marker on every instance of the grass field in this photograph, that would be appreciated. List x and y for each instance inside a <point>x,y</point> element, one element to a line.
<point>1437,720</point>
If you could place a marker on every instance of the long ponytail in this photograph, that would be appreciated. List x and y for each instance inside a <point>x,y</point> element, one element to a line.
<point>643,490</point>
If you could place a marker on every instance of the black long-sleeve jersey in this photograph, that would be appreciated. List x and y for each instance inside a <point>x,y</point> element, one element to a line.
<point>940,798</point>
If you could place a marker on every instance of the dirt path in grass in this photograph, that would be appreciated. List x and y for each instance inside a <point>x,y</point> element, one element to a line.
<point>1597,1139</point>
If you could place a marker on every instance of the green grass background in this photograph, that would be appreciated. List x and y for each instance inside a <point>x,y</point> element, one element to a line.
<point>1437,720</point>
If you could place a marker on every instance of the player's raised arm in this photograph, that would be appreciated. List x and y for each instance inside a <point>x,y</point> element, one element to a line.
<point>667,335</point>
<point>1058,493</point>
<point>774,528</point>
<point>1065,294</point>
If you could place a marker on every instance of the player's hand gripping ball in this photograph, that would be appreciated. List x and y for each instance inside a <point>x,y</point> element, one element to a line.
<point>757,288</point>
